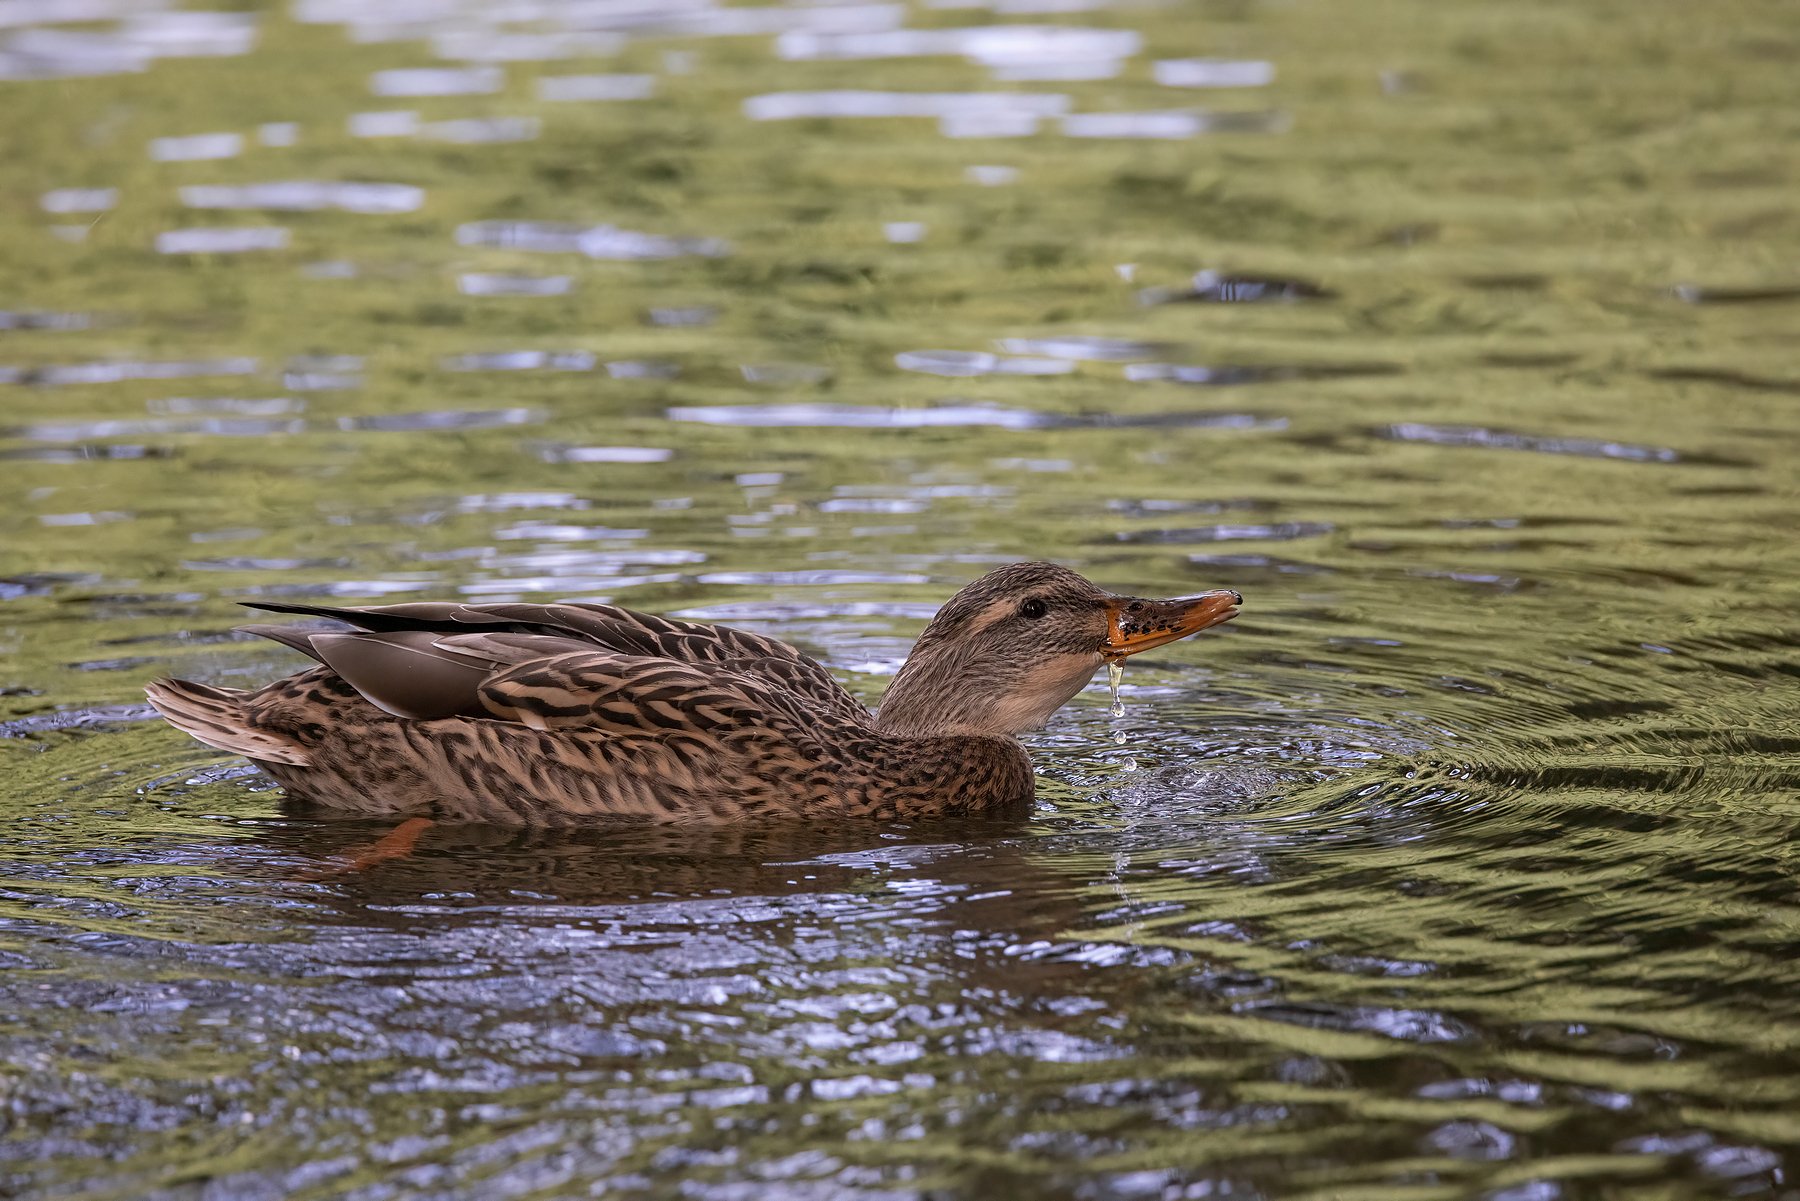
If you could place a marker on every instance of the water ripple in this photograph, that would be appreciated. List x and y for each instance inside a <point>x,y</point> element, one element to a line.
<point>1442,435</point>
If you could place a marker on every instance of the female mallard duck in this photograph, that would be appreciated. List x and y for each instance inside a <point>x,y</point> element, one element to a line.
<point>557,714</point>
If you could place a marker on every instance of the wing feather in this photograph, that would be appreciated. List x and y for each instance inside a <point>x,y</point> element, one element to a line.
<point>510,633</point>
<point>601,692</point>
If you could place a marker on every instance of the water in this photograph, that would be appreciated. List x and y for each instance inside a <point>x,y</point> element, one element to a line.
<point>1457,338</point>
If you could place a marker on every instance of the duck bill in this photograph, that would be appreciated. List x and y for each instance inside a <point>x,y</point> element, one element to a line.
<point>1135,625</point>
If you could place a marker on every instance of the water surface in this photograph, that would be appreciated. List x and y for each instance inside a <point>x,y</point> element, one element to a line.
<point>1457,338</point>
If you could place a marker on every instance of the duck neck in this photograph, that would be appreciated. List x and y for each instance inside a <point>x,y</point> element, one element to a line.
<point>941,690</point>
<point>947,745</point>
<point>925,702</point>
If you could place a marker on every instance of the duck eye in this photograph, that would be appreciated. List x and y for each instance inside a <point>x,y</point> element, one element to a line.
<point>1033,608</point>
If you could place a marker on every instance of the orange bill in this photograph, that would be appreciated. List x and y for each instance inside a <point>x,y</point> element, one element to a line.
<point>1134,624</point>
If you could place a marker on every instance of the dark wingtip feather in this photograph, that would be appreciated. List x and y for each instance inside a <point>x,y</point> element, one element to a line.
<point>297,638</point>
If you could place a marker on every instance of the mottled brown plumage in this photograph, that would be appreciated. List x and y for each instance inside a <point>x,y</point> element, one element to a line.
<point>561,714</point>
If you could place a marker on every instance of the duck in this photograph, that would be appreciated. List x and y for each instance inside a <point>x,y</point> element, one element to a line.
<point>569,714</point>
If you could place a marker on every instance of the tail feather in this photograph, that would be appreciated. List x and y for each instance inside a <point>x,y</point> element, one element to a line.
<point>217,717</point>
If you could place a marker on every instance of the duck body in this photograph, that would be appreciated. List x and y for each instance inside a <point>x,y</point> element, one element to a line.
<point>566,714</point>
<point>691,755</point>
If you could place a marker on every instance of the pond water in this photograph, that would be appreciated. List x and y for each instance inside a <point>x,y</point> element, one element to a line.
<point>1458,338</point>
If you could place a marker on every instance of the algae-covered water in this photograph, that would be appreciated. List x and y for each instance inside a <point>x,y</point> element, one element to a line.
<point>1459,338</point>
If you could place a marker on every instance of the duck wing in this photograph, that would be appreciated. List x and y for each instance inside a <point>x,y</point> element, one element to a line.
<point>599,691</point>
<point>567,737</point>
<point>426,659</point>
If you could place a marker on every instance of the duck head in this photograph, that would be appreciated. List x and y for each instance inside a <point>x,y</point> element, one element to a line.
<point>1016,645</point>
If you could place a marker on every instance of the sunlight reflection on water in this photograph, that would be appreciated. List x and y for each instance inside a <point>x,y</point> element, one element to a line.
<point>1457,866</point>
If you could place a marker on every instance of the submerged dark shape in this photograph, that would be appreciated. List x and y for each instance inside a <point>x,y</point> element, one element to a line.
<point>1703,294</point>
<point>1215,287</point>
<point>557,714</point>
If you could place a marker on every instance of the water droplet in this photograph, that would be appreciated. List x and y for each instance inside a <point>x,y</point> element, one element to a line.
<point>1115,672</point>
